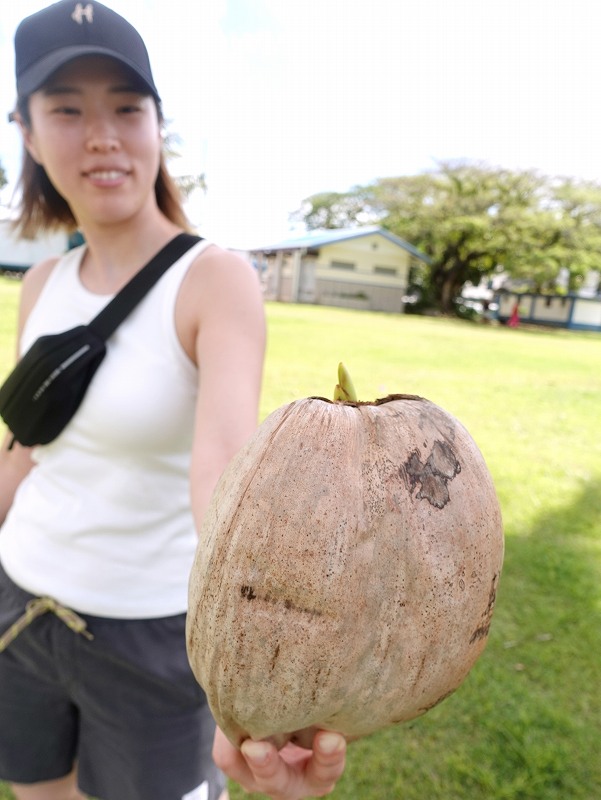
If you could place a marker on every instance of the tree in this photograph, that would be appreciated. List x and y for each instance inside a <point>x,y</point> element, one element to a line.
<point>189,183</point>
<point>186,183</point>
<point>472,220</point>
<point>579,204</point>
<point>334,210</point>
<point>3,178</point>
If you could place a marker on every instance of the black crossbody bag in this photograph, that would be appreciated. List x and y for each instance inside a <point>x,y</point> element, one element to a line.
<point>46,387</point>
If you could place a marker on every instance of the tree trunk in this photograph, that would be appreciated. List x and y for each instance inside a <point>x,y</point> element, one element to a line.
<point>447,284</point>
<point>447,294</point>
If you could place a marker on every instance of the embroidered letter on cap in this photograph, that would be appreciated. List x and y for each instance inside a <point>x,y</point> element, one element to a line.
<point>80,12</point>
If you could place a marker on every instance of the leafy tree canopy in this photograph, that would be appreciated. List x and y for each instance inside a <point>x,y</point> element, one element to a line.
<point>189,183</point>
<point>473,220</point>
<point>186,183</point>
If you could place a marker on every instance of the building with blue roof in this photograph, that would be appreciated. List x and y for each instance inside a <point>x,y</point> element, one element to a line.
<point>365,267</point>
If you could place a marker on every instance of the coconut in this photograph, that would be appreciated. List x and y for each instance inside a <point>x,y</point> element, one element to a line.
<point>346,572</point>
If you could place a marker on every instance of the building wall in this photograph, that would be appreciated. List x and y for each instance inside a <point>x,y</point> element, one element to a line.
<point>507,303</point>
<point>587,313</point>
<point>567,311</point>
<point>370,259</point>
<point>552,309</point>
<point>366,272</point>
<point>369,297</point>
<point>22,253</point>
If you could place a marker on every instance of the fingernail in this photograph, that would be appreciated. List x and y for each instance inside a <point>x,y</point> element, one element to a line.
<point>330,743</point>
<point>257,752</point>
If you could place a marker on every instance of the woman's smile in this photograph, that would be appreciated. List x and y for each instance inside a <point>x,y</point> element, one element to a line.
<point>107,177</point>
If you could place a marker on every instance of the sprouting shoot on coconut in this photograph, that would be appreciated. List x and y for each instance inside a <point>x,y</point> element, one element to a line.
<point>347,569</point>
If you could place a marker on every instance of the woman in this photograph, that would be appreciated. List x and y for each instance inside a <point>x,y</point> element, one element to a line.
<point>96,695</point>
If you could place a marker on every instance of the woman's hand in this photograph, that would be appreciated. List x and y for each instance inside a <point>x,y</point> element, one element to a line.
<point>291,773</point>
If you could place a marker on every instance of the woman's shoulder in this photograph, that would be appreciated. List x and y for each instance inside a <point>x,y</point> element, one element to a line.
<point>220,289</point>
<point>33,283</point>
<point>221,279</point>
<point>216,264</point>
<point>39,272</point>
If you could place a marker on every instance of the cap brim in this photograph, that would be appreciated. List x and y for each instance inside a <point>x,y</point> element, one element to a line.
<point>33,78</point>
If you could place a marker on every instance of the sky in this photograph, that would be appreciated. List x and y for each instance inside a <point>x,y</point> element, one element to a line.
<point>276,100</point>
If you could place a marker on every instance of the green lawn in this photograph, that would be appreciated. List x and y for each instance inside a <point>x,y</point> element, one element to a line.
<point>526,724</point>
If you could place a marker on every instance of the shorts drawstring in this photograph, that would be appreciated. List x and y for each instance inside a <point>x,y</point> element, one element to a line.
<point>35,608</point>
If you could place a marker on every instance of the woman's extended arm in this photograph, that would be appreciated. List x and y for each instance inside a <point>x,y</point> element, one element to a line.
<point>229,351</point>
<point>14,466</point>
<point>230,343</point>
<point>16,462</point>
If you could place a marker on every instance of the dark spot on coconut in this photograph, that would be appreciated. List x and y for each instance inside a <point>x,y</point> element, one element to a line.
<point>482,630</point>
<point>492,597</point>
<point>276,653</point>
<point>440,467</point>
<point>316,685</point>
<point>430,706</point>
<point>310,612</point>
<point>248,592</point>
<point>420,671</point>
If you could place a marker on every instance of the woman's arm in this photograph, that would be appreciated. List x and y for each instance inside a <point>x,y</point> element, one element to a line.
<point>229,349</point>
<point>14,466</point>
<point>15,461</point>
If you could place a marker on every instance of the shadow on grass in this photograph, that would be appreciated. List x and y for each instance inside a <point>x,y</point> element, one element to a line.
<point>545,653</point>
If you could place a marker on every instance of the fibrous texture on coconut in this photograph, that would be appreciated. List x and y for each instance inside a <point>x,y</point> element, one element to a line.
<point>346,571</point>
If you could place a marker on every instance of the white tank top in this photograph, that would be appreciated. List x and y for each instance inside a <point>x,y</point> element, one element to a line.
<point>103,522</point>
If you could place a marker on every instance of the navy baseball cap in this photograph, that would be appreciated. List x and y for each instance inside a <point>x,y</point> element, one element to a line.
<point>47,40</point>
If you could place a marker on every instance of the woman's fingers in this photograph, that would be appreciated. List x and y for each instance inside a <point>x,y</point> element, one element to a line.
<point>271,774</point>
<point>289,774</point>
<point>326,764</point>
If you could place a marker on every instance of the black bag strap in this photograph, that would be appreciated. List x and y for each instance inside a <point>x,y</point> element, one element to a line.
<point>113,314</point>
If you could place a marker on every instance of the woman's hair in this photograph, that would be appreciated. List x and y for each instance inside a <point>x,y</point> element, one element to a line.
<point>42,208</point>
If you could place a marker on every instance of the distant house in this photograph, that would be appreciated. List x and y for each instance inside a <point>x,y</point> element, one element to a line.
<point>17,255</point>
<point>365,268</point>
<point>561,311</point>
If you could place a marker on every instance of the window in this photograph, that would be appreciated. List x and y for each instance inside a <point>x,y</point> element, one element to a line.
<point>348,265</point>
<point>385,270</point>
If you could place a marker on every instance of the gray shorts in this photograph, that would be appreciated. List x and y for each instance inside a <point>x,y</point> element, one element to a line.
<point>124,708</point>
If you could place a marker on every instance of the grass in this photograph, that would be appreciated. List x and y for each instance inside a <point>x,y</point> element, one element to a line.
<point>526,723</point>
<point>9,291</point>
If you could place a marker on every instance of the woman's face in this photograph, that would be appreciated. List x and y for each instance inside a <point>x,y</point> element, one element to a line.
<point>98,138</point>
